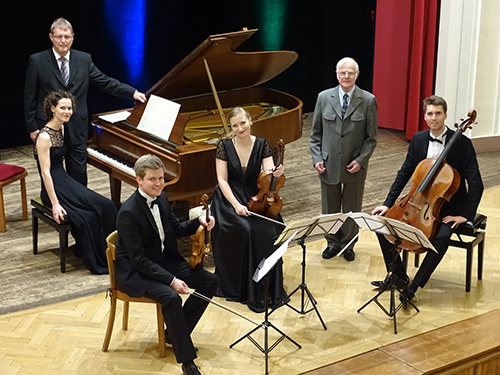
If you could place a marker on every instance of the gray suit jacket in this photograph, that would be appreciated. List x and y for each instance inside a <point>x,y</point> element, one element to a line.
<point>337,141</point>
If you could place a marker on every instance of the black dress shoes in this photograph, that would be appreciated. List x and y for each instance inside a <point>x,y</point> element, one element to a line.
<point>406,296</point>
<point>330,252</point>
<point>401,283</point>
<point>190,369</point>
<point>349,255</point>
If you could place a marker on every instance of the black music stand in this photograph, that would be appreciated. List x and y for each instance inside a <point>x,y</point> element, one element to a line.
<point>299,231</point>
<point>262,275</point>
<point>400,231</point>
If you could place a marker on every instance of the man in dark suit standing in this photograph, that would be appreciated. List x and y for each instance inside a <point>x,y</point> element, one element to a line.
<point>343,137</point>
<point>149,264</point>
<point>71,70</point>
<point>461,207</point>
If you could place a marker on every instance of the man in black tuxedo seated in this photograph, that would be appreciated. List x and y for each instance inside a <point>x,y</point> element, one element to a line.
<point>461,207</point>
<point>149,264</point>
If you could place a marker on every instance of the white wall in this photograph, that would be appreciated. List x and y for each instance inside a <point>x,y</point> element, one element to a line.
<point>468,63</point>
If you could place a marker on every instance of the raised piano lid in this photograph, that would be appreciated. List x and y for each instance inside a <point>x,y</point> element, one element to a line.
<point>230,70</point>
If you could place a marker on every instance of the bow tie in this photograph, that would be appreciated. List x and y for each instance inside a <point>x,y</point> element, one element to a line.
<point>435,140</point>
<point>153,202</point>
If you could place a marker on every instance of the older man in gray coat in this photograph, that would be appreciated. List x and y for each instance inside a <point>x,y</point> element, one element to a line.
<point>343,137</point>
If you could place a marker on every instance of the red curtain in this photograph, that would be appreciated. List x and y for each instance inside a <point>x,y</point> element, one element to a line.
<point>404,62</point>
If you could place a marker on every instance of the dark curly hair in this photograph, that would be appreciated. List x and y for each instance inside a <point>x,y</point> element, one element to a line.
<point>53,98</point>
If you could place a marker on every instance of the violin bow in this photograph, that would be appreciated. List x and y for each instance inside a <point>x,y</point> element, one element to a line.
<point>350,242</point>
<point>251,213</point>
<point>205,298</point>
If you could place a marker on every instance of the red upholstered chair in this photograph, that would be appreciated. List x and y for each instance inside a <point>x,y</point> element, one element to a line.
<point>9,174</point>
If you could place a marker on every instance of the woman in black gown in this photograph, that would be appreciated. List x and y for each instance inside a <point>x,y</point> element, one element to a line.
<point>91,216</point>
<point>240,241</point>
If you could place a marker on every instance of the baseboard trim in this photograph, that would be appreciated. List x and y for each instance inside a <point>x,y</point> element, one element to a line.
<point>486,144</point>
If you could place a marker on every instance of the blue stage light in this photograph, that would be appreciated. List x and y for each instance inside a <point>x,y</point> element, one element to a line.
<point>126,19</point>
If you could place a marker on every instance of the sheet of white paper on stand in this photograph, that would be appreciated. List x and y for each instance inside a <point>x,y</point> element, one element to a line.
<point>159,117</point>
<point>328,223</point>
<point>299,227</point>
<point>269,262</point>
<point>367,221</point>
<point>115,117</point>
<point>409,233</point>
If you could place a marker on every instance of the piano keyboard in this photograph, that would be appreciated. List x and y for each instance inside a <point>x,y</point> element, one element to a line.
<point>121,165</point>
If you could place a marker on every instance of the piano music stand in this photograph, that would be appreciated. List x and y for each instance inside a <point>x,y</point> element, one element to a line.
<point>399,231</point>
<point>301,230</point>
<point>262,273</point>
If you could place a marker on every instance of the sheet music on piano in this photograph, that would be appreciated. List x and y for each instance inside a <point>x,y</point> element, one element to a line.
<point>159,117</point>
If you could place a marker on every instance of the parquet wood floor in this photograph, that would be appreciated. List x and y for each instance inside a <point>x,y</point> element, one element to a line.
<point>66,338</point>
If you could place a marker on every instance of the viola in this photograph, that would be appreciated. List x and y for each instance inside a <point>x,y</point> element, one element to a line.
<point>267,202</point>
<point>434,182</point>
<point>201,246</point>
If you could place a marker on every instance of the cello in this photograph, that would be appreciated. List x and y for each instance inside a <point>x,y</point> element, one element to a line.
<point>201,246</point>
<point>434,182</point>
<point>267,202</point>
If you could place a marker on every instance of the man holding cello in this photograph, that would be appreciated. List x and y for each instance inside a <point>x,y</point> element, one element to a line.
<point>461,207</point>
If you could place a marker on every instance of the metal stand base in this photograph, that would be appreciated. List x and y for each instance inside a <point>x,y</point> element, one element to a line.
<point>266,324</point>
<point>305,291</point>
<point>391,286</point>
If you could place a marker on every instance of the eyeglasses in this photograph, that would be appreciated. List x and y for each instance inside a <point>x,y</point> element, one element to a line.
<point>347,73</point>
<point>60,37</point>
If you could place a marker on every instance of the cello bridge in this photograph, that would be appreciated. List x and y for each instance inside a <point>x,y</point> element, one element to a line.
<point>416,206</point>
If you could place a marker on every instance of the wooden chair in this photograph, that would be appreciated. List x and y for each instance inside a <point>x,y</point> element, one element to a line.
<point>116,294</point>
<point>41,212</point>
<point>474,230</point>
<point>9,174</point>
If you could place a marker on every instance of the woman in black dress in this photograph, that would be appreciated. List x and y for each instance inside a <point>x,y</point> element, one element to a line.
<point>91,216</point>
<point>240,241</point>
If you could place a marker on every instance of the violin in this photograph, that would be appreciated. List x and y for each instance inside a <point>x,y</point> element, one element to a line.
<point>201,246</point>
<point>267,202</point>
<point>434,182</point>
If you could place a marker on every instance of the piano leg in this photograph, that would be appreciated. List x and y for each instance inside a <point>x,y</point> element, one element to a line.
<point>115,186</point>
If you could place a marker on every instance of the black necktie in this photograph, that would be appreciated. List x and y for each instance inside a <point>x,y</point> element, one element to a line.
<point>435,140</point>
<point>344,105</point>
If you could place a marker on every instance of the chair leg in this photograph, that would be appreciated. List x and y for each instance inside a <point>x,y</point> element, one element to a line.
<point>480,256</point>
<point>63,246</point>
<point>3,226</point>
<point>24,202</point>
<point>125,315</point>
<point>468,268</point>
<point>111,322</point>
<point>161,331</point>
<point>34,230</point>
<point>416,261</point>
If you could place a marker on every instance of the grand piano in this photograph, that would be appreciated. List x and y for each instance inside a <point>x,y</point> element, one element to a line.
<point>212,79</point>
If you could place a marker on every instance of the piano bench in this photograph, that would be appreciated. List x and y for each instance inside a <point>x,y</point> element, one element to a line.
<point>475,230</point>
<point>42,212</point>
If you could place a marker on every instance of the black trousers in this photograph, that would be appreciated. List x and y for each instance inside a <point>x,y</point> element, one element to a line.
<point>181,320</point>
<point>430,262</point>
